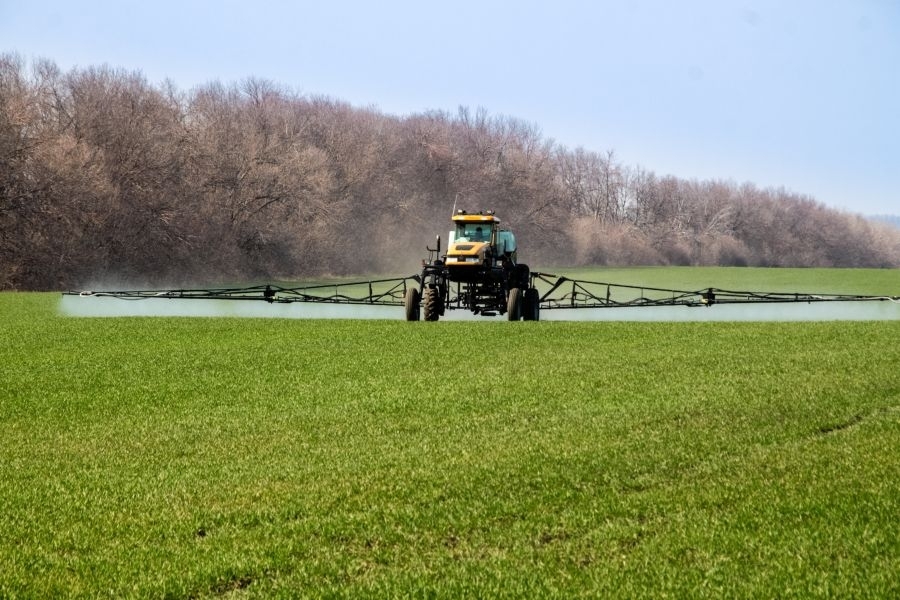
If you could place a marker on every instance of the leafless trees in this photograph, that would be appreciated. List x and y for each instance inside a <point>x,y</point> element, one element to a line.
<point>674,221</point>
<point>104,177</point>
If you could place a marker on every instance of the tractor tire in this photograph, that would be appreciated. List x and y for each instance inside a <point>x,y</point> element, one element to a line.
<point>526,277</point>
<point>433,304</point>
<point>514,304</point>
<point>412,301</point>
<point>520,276</point>
<point>531,307</point>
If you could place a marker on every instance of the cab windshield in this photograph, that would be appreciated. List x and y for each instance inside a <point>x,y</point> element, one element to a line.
<point>473,232</point>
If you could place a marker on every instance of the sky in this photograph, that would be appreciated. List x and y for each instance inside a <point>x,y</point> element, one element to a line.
<point>796,94</point>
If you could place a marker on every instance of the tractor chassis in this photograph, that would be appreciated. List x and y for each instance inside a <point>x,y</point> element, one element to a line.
<point>488,291</point>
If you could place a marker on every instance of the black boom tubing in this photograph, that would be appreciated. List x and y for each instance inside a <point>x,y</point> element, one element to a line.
<point>566,293</point>
<point>388,292</point>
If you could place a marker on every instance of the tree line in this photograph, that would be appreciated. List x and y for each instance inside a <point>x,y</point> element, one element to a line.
<point>106,178</point>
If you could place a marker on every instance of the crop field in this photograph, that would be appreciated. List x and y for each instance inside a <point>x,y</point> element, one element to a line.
<point>206,457</point>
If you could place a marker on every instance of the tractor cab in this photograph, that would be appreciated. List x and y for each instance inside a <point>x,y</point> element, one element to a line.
<point>478,240</point>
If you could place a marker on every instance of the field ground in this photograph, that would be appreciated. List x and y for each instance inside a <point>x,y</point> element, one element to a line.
<point>192,458</point>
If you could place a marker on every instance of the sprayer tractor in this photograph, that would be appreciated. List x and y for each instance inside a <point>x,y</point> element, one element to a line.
<point>479,273</point>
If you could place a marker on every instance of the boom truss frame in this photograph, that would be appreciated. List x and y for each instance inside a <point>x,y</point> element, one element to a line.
<point>559,292</point>
<point>566,293</point>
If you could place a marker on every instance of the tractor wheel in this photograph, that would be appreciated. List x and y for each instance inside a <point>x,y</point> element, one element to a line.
<point>520,276</point>
<point>524,275</point>
<point>514,304</point>
<point>432,303</point>
<point>531,307</point>
<point>412,304</point>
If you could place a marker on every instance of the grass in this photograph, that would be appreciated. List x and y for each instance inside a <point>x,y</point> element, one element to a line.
<point>192,458</point>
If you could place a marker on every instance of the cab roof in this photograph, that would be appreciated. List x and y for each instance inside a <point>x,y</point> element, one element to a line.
<point>479,217</point>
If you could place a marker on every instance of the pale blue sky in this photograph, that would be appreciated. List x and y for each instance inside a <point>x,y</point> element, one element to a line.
<point>803,94</point>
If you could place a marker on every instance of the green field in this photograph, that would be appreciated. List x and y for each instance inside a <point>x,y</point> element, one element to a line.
<point>201,457</point>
